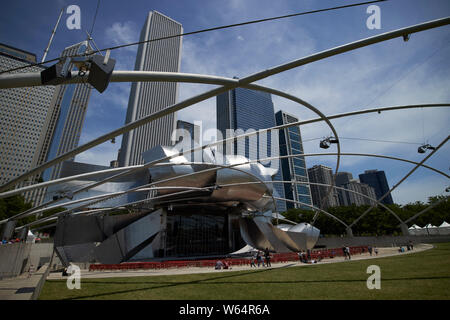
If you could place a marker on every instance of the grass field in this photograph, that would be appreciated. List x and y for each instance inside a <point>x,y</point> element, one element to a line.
<point>422,275</point>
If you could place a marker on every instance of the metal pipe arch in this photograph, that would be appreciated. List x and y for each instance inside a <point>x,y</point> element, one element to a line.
<point>251,78</point>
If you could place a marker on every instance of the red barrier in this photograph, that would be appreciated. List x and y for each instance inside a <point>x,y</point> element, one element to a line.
<point>275,258</point>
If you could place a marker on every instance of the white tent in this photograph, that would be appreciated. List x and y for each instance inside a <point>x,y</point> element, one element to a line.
<point>444,228</point>
<point>415,230</point>
<point>245,250</point>
<point>432,230</point>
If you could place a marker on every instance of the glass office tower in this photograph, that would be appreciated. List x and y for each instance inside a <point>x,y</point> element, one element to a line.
<point>147,98</point>
<point>246,110</point>
<point>68,114</point>
<point>377,180</point>
<point>294,169</point>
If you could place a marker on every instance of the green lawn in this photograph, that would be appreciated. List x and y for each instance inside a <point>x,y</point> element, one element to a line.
<point>422,275</point>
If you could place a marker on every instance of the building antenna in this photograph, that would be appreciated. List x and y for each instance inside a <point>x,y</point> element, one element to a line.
<point>89,34</point>
<point>51,37</point>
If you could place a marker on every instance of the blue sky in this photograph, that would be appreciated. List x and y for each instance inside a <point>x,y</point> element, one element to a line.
<point>390,73</point>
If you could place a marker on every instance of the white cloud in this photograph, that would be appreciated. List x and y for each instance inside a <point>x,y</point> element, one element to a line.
<point>419,189</point>
<point>122,33</point>
<point>382,75</point>
<point>101,155</point>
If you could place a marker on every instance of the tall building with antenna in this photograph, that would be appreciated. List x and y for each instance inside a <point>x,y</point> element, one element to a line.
<point>64,122</point>
<point>66,119</point>
<point>149,97</point>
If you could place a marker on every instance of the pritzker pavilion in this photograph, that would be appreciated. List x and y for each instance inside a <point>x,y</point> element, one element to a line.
<point>174,207</point>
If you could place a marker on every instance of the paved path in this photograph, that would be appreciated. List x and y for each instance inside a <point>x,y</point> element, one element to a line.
<point>21,287</point>
<point>86,274</point>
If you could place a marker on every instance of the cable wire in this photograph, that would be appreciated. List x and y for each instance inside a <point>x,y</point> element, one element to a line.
<point>209,29</point>
<point>408,72</point>
<point>95,17</point>
<point>365,139</point>
<point>388,141</point>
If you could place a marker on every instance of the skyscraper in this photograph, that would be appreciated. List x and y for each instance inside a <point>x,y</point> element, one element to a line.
<point>67,117</point>
<point>377,180</point>
<point>322,174</point>
<point>23,114</point>
<point>294,169</point>
<point>346,198</point>
<point>246,109</point>
<point>149,97</point>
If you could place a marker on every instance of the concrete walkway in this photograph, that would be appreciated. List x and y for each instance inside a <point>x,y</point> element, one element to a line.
<point>86,274</point>
<point>21,287</point>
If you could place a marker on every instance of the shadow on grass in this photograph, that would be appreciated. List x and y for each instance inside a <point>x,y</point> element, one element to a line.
<point>163,284</point>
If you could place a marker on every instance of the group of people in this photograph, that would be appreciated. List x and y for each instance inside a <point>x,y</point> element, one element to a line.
<point>222,265</point>
<point>305,257</point>
<point>10,241</point>
<point>370,249</point>
<point>258,259</point>
<point>16,240</point>
<point>409,247</point>
<point>263,258</point>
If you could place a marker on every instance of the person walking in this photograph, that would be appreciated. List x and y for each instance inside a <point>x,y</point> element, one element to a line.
<point>267,257</point>
<point>308,255</point>
<point>219,265</point>
<point>347,249</point>
<point>31,270</point>
<point>252,262</point>
<point>344,252</point>
<point>370,250</point>
<point>259,259</point>
<point>376,251</point>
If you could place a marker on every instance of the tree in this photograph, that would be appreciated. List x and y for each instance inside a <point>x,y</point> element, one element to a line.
<point>14,205</point>
<point>378,221</point>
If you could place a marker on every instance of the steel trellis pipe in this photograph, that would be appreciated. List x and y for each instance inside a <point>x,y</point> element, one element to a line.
<point>209,94</point>
<point>321,210</point>
<point>303,122</point>
<point>272,91</point>
<point>403,179</point>
<point>280,157</point>
<point>114,194</point>
<point>326,185</point>
<point>426,209</point>
<point>56,215</point>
